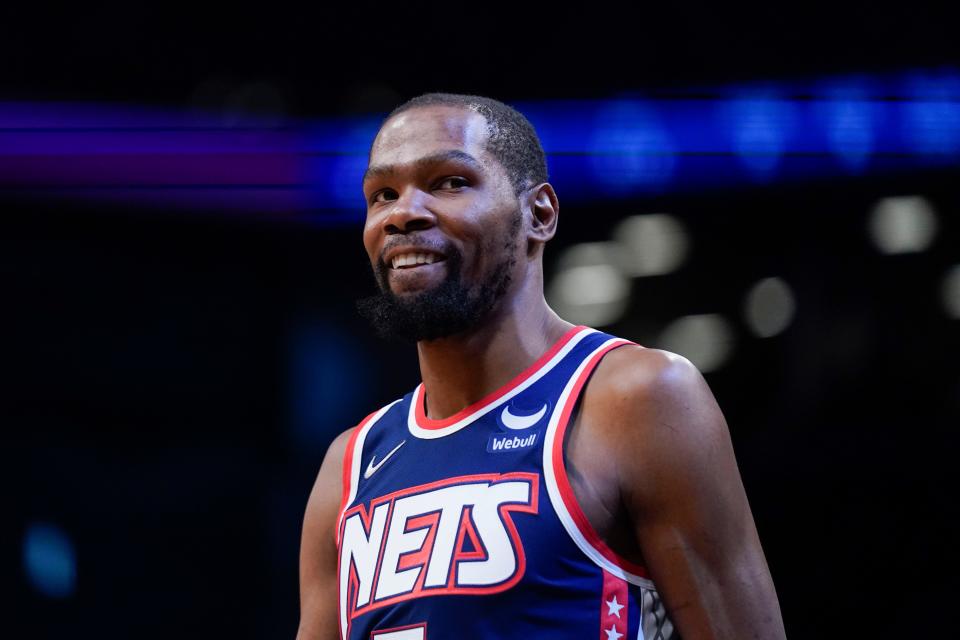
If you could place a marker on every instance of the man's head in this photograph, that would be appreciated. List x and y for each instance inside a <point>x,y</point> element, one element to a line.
<point>458,183</point>
<point>512,140</point>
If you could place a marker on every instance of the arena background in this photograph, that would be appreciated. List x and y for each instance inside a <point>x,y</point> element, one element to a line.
<point>770,190</point>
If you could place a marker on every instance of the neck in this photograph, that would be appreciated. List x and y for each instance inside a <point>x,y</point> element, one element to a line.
<point>460,370</point>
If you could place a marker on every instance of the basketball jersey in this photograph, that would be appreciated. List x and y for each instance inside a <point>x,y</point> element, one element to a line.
<point>467,527</point>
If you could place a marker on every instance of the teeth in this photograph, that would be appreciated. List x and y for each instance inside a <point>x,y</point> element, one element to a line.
<point>406,259</point>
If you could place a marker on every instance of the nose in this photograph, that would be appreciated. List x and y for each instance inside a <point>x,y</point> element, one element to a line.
<point>408,213</point>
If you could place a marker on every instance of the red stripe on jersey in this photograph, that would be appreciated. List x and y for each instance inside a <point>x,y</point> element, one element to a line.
<point>613,608</point>
<point>347,472</point>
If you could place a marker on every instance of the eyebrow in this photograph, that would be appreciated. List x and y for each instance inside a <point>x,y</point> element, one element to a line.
<point>379,170</point>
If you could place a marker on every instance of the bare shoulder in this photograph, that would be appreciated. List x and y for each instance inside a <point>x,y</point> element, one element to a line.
<point>631,365</point>
<point>633,381</point>
<point>338,447</point>
<point>326,489</point>
<point>324,501</point>
<point>656,413</point>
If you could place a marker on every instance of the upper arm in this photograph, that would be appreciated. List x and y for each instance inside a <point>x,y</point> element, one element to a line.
<point>680,483</point>
<point>318,549</point>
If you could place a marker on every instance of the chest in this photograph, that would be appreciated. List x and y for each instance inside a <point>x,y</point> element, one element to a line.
<point>463,514</point>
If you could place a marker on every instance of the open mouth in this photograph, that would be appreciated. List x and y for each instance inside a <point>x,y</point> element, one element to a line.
<point>415,260</point>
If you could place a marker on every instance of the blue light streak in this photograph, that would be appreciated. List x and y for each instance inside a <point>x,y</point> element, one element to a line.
<point>628,146</point>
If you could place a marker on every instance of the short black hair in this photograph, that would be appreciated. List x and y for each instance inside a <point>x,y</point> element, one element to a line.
<point>513,141</point>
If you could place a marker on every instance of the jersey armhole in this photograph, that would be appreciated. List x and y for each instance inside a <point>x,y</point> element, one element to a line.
<point>573,517</point>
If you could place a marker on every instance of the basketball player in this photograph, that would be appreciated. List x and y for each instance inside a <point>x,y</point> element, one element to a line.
<point>544,480</point>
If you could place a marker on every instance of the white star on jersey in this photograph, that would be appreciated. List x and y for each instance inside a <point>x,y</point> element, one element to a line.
<point>612,633</point>
<point>613,607</point>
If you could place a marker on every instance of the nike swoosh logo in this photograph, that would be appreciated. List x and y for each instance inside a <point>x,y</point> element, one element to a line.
<point>511,421</point>
<point>373,468</point>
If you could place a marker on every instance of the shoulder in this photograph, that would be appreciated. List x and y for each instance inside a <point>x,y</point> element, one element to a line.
<point>338,447</point>
<point>635,364</point>
<point>330,476</point>
<point>635,379</point>
<point>654,411</point>
<point>342,446</point>
<point>335,470</point>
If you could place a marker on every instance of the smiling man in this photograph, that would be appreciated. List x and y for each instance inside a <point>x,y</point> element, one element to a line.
<point>545,479</point>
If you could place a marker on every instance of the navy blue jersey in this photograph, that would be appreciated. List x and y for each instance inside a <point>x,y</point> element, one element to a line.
<point>467,527</point>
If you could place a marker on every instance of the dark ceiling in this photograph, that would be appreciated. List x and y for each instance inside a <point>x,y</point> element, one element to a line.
<point>364,56</point>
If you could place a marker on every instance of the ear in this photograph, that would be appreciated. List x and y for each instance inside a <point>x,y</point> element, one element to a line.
<point>543,216</point>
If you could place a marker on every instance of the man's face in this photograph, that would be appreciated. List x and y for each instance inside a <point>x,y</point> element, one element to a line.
<point>431,188</point>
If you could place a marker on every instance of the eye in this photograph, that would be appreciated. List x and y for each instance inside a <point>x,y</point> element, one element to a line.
<point>456,182</point>
<point>376,196</point>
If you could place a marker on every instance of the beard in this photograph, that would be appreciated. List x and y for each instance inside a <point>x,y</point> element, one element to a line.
<point>449,308</point>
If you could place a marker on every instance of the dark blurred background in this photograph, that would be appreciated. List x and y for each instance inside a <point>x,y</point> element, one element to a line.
<point>181,344</point>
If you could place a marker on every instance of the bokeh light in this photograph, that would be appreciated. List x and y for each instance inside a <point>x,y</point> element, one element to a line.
<point>49,560</point>
<point>654,244</point>
<point>769,307</point>
<point>704,339</point>
<point>950,291</point>
<point>905,224</point>
<point>589,286</point>
<point>630,150</point>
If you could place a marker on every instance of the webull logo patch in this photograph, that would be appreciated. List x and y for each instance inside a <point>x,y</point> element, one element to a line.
<point>510,442</point>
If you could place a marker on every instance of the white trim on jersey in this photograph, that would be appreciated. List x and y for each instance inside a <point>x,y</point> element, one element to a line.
<point>553,489</point>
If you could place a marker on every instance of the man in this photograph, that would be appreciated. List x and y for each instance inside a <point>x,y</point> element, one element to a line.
<point>545,480</point>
